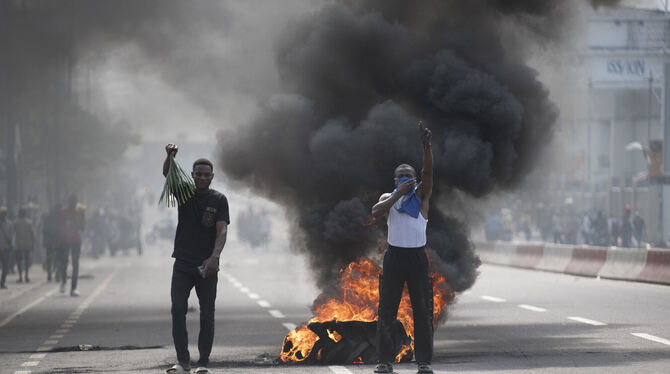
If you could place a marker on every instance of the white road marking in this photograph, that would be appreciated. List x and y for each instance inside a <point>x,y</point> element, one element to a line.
<point>38,356</point>
<point>244,289</point>
<point>339,370</point>
<point>276,313</point>
<point>50,342</point>
<point>43,349</point>
<point>263,303</point>
<point>493,298</point>
<point>532,308</point>
<point>62,331</point>
<point>66,326</point>
<point>290,326</point>
<point>651,337</point>
<point>25,308</point>
<point>587,321</point>
<point>30,363</point>
<point>254,296</point>
<point>56,336</point>
<point>22,372</point>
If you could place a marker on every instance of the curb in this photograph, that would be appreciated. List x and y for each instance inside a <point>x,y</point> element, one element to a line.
<point>632,264</point>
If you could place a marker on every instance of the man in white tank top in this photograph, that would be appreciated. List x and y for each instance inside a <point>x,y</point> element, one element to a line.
<point>406,260</point>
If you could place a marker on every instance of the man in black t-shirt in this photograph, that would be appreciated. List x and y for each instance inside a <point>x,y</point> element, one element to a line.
<point>201,234</point>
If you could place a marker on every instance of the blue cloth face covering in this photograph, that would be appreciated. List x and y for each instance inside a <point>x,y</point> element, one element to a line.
<point>409,203</point>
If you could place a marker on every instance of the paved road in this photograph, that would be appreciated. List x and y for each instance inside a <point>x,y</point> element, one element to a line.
<point>513,320</point>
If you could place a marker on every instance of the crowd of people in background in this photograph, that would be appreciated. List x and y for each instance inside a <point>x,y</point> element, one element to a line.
<point>55,237</point>
<point>566,225</point>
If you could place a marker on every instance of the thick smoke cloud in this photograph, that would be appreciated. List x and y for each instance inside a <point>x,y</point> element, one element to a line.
<point>357,76</point>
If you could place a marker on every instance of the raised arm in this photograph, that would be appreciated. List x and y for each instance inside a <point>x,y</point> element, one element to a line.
<point>170,149</point>
<point>425,190</point>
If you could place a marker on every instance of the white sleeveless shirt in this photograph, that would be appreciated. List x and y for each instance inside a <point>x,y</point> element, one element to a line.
<point>406,231</point>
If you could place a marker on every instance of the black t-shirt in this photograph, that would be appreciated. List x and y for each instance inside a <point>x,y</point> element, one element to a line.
<point>196,229</point>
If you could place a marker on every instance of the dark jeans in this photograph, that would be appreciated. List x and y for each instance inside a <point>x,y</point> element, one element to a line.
<point>23,261</point>
<point>51,261</point>
<point>75,250</point>
<point>4,257</point>
<point>184,278</point>
<point>405,265</point>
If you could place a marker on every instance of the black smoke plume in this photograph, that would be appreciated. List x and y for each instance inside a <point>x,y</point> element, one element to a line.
<point>357,76</point>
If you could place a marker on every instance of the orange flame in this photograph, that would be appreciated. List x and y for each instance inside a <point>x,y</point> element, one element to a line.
<point>355,297</point>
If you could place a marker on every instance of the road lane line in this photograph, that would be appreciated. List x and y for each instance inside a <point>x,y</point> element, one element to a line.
<point>244,289</point>
<point>263,303</point>
<point>56,336</point>
<point>651,337</point>
<point>290,326</point>
<point>25,308</point>
<point>43,349</point>
<point>532,308</point>
<point>50,342</point>
<point>30,363</point>
<point>253,296</point>
<point>493,298</point>
<point>587,321</point>
<point>276,313</point>
<point>62,331</point>
<point>38,356</point>
<point>22,372</point>
<point>339,370</point>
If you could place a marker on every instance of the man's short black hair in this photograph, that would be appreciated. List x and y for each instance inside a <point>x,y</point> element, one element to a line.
<point>203,161</point>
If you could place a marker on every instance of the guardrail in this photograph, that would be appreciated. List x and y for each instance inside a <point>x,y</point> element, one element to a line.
<point>634,264</point>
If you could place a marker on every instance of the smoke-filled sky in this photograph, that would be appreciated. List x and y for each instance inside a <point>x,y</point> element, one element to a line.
<point>315,103</point>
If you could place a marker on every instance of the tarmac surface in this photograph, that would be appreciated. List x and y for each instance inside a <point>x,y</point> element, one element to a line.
<point>512,321</point>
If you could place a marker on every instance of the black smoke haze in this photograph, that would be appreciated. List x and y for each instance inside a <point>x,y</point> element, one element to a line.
<point>357,76</point>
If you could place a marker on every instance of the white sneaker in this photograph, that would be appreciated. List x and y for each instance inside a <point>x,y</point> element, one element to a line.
<point>62,288</point>
<point>74,293</point>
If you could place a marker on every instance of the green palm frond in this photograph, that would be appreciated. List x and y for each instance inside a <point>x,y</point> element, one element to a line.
<point>179,186</point>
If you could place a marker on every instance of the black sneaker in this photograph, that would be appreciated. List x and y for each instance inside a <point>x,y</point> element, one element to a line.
<point>384,367</point>
<point>424,368</point>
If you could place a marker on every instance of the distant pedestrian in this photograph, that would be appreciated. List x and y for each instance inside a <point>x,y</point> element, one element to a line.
<point>639,228</point>
<point>613,229</point>
<point>72,220</point>
<point>557,224</point>
<point>601,234</point>
<point>24,244</point>
<point>626,227</point>
<point>586,229</point>
<point>50,240</point>
<point>201,235</point>
<point>6,233</point>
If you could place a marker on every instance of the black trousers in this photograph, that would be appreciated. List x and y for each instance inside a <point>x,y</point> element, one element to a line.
<point>5,254</point>
<point>184,278</point>
<point>405,265</point>
<point>65,251</point>
<point>24,261</point>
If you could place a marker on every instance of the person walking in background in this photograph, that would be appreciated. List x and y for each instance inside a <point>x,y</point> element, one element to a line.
<point>613,229</point>
<point>50,238</point>
<point>586,229</point>
<point>5,244</point>
<point>557,224</point>
<point>639,227</point>
<point>626,227</point>
<point>72,220</point>
<point>24,243</point>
